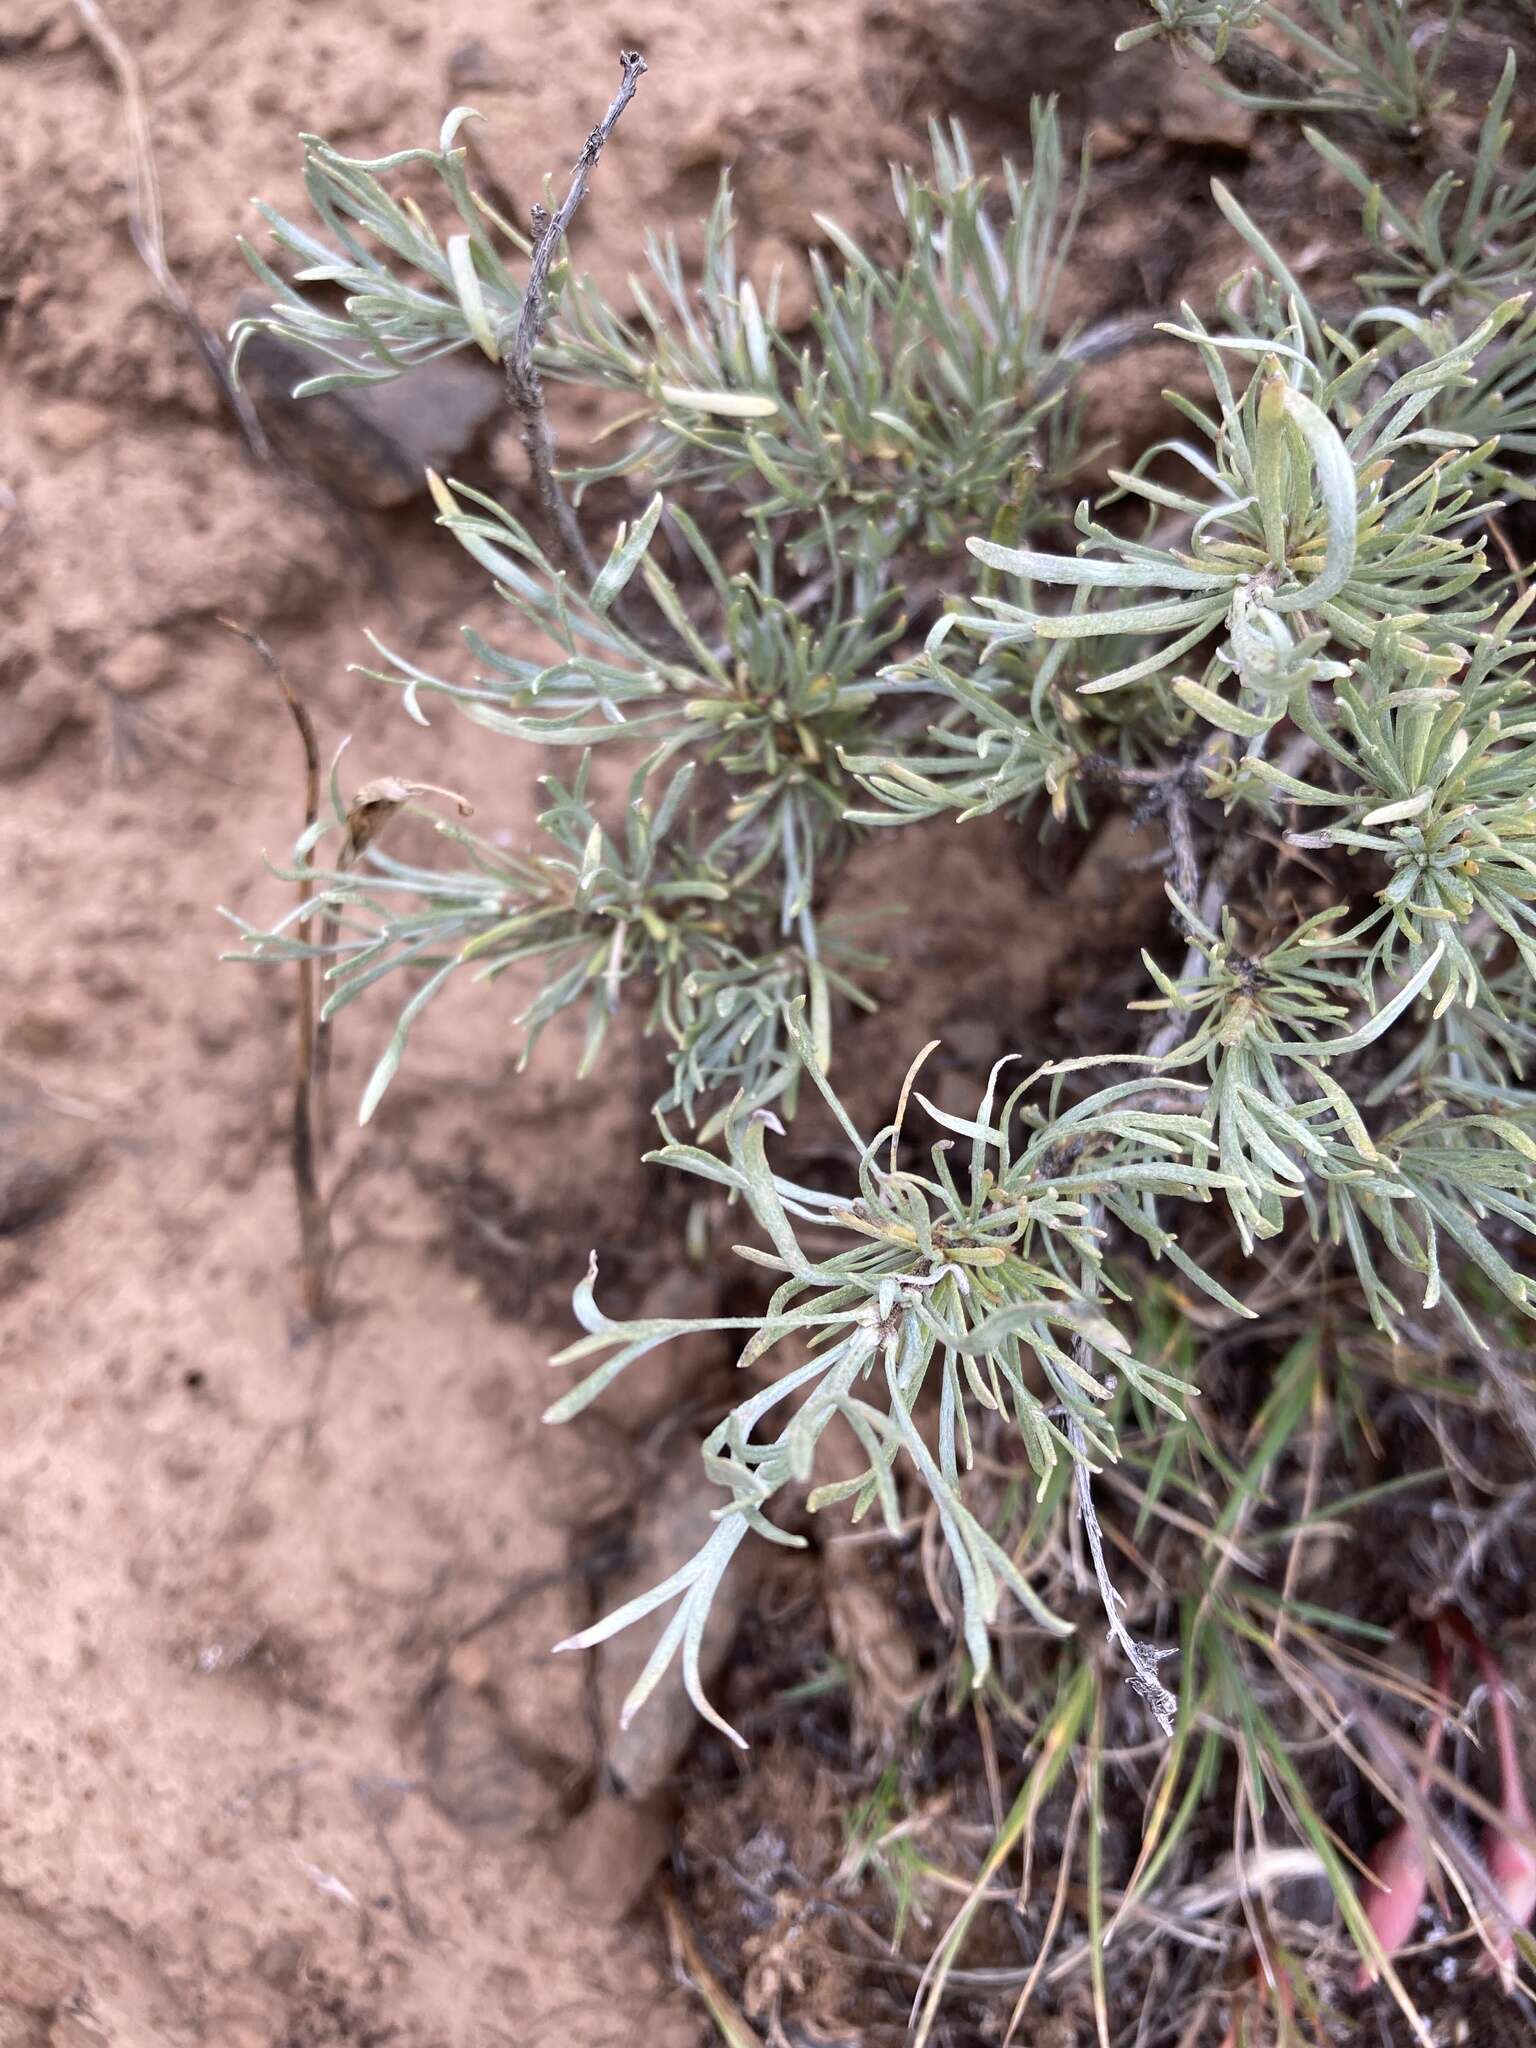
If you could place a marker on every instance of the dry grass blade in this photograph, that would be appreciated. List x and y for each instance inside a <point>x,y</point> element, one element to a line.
<point>146,223</point>
<point>1319,1439</point>
<point>1056,1741</point>
<point>1057,1910</point>
<point>729,2020</point>
<point>1093,1770</point>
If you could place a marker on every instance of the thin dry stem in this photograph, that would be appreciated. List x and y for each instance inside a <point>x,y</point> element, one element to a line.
<point>306,1138</point>
<point>1319,1436</point>
<point>1141,1657</point>
<point>524,384</point>
<point>147,228</point>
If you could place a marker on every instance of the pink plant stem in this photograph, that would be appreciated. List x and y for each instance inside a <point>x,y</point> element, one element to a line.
<point>1510,1862</point>
<point>1398,1865</point>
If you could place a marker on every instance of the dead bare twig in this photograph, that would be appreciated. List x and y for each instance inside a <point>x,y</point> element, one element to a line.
<point>1519,570</point>
<point>1167,793</point>
<point>525,387</point>
<point>1225,869</point>
<point>1142,1657</point>
<point>147,227</point>
<point>305,1141</point>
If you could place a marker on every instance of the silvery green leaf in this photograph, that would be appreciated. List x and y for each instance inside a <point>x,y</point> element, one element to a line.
<point>625,558</point>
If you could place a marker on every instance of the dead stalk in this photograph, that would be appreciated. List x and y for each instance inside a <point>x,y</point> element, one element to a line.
<point>305,1142</point>
<point>146,223</point>
<point>525,387</point>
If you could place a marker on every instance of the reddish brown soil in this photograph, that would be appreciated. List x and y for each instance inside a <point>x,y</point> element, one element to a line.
<point>258,1789</point>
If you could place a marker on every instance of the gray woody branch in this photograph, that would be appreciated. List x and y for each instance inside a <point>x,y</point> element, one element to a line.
<point>524,384</point>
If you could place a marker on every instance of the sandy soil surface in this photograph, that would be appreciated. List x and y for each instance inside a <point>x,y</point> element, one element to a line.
<point>270,1773</point>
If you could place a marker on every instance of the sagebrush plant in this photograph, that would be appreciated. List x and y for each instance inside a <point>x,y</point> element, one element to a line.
<point>853,593</point>
<point>1374,57</point>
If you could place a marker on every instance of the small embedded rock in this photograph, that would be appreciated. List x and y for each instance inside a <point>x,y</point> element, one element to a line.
<point>783,195</point>
<point>68,426</point>
<point>42,1162</point>
<point>1190,109</point>
<point>540,1699</point>
<point>279,1961</point>
<point>140,664</point>
<point>1123,403</point>
<point>1107,140</point>
<point>711,139</point>
<point>31,718</point>
<point>607,1857</point>
<point>475,67</point>
<point>215,1035</point>
<point>579,1472</point>
<point>374,100</point>
<point>996,53</point>
<point>370,444</point>
<point>475,1776</point>
<point>39,1034</point>
<point>676,1520</point>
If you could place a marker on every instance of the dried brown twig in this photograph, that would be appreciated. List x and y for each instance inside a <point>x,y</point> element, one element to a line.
<point>305,1141</point>
<point>372,807</point>
<point>524,384</point>
<point>1167,793</point>
<point>147,227</point>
